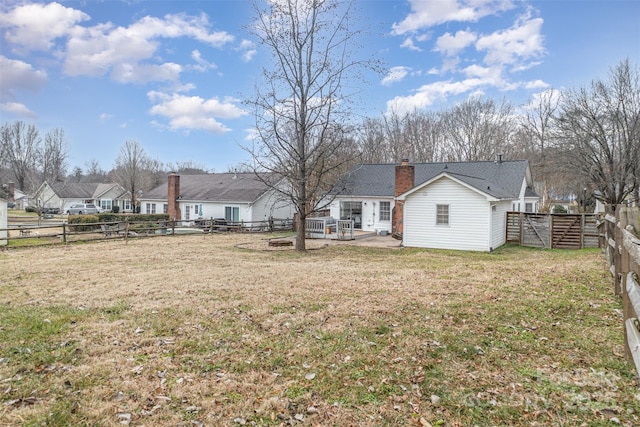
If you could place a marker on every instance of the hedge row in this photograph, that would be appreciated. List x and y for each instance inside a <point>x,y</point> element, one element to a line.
<point>111,217</point>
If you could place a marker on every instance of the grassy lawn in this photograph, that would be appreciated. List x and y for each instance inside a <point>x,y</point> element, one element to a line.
<point>193,331</point>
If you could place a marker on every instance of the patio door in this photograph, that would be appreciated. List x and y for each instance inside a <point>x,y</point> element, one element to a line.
<point>352,210</point>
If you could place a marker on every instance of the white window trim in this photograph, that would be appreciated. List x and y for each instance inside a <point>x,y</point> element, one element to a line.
<point>448,224</point>
<point>387,212</point>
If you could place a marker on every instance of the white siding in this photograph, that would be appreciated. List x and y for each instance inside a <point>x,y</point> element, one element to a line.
<point>214,210</point>
<point>3,222</point>
<point>272,204</point>
<point>469,218</point>
<point>370,212</point>
<point>499,224</point>
<point>46,198</point>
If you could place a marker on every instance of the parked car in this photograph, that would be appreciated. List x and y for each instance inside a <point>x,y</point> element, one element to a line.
<point>50,211</point>
<point>82,209</point>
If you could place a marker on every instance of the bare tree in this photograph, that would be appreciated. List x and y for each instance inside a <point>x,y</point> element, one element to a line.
<point>478,129</point>
<point>95,173</point>
<point>21,149</point>
<point>302,105</point>
<point>538,125</point>
<point>54,156</point>
<point>600,129</point>
<point>373,145</point>
<point>130,168</point>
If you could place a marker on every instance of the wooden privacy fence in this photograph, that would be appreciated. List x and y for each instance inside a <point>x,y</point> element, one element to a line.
<point>622,248</point>
<point>561,231</point>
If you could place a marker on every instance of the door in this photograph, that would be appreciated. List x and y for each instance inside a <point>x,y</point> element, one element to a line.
<point>352,210</point>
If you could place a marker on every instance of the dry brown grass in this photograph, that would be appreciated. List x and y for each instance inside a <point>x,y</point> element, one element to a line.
<point>196,330</point>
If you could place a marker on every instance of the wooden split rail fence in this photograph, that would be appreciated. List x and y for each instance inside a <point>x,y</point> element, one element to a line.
<point>622,248</point>
<point>560,231</point>
<point>63,232</point>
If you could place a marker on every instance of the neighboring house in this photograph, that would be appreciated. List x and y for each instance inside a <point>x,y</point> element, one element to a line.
<point>448,205</point>
<point>234,196</point>
<point>4,215</point>
<point>61,195</point>
<point>16,198</point>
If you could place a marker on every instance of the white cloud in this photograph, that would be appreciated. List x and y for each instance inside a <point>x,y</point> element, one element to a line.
<point>425,14</point>
<point>193,112</point>
<point>248,49</point>
<point>144,73</point>
<point>17,109</point>
<point>451,45</point>
<point>536,84</point>
<point>104,117</point>
<point>36,26</point>
<point>518,44</point>
<point>408,44</point>
<point>490,75</point>
<point>431,93</point>
<point>202,64</point>
<point>18,75</point>
<point>123,51</point>
<point>396,74</point>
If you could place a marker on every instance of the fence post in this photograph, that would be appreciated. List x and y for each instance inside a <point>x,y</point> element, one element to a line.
<point>520,221</point>
<point>64,233</point>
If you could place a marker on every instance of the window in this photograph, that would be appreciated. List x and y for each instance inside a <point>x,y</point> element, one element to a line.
<point>106,205</point>
<point>165,208</point>
<point>385,211</point>
<point>187,212</point>
<point>127,205</point>
<point>195,209</point>
<point>153,208</point>
<point>528,207</point>
<point>148,207</point>
<point>232,214</point>
<point>442,214</point>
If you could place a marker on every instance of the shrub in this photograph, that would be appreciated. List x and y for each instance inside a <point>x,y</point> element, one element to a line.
<point>115,209</point>
<point>558,209</point>
<point>83,219</point>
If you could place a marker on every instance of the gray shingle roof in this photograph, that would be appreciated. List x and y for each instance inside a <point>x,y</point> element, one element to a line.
<point>80,190</point>
<point>498,179</point>
<point>216,187</point>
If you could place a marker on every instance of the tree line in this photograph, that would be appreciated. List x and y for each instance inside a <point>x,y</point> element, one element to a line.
<point>576,139</point>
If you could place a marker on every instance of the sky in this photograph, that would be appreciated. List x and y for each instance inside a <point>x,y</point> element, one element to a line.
<point>172,74</point>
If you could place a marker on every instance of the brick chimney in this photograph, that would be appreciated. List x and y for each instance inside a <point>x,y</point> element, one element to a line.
<point>173,194</point>
<point>405,181</point>
<point>12,191</point>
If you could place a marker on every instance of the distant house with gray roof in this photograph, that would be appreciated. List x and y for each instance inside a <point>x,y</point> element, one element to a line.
<point>61,195</point>
<point>448,205</point>
<point>235,197</point>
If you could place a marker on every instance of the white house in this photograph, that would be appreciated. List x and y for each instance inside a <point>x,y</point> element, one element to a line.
<point>61,195</point>
<point>236,197</point>
<point>448,205</point>
<point>3,222</point>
